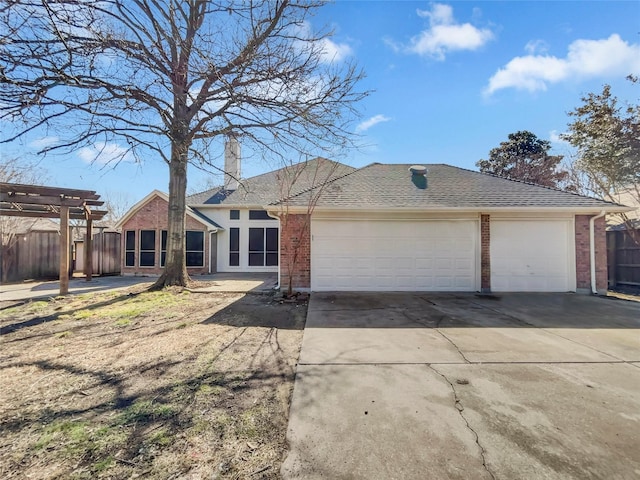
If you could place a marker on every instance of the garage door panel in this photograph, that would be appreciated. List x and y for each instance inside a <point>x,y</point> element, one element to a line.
<point>394,255</point>
<point>530,255</point>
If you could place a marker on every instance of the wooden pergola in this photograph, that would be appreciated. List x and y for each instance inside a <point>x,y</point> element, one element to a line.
<point>52,202</point>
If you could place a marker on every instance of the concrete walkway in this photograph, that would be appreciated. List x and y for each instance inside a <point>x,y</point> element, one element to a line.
<point>219,282</point>
<point>418,386</point>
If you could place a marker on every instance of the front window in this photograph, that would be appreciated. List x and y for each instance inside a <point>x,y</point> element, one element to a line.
<point>259,215</point>
<point>234,247</point>
<point>263,247</point>
<point>147,248</point>
<point>130,248</point>
<point>163,247</point>
<point>195,248</point>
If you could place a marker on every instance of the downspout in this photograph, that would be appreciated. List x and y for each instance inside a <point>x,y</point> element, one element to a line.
<point>592,250</point>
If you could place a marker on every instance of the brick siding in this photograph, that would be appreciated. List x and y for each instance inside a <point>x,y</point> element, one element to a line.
<point>295,235</point>
<point>485,253</point>
<point>154,216</point>
<point>583,258</point>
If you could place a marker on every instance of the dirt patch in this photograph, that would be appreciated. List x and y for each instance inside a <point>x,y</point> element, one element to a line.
<point>147,384</point>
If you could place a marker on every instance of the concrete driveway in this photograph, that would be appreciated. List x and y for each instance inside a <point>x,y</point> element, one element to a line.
<point>457,386</point>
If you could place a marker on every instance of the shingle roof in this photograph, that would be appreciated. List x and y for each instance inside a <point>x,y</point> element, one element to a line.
<point>392,186</point>
<point>271,187</point>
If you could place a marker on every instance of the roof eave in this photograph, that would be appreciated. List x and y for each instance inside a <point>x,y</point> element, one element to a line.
<point>529,209</point>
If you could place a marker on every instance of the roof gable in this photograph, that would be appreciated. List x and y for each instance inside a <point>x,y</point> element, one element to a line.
<point>200,217</point>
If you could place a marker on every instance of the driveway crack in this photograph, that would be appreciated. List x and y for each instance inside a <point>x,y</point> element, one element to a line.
<point>460,409</point>
<point>436,329</point>
<point>454,345</point>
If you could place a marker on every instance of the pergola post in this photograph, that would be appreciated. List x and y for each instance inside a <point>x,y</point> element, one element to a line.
<point>88,251</point>
<point>64,250</point>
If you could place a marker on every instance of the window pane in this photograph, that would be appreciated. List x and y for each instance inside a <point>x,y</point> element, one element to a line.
<point>195,241</point>
<point>163,240</point>
<point>234,259</point>
<point>147,240</point>
<point>272,239</point>
<point>163,258</point>
<point>272,259</point>
<point>130,259</point>
<point>147,259</point>
<point>234,240</point>
<point>256,259</point>
<point>259,215</point>
<point>256,239</point>
<point>195,259</point>
<point>131,240</point>
<point>234,214</point>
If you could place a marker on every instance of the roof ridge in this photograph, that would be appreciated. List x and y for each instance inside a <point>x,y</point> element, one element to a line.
<point>554,189</point>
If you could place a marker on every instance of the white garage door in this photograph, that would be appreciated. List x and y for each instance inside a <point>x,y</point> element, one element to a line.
<point>393,255</point>
<point>530,256</point>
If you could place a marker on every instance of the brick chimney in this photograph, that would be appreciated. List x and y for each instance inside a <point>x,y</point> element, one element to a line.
<point>231,163</point>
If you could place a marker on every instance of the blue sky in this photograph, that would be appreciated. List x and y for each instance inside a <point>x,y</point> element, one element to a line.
<point>450,81</point>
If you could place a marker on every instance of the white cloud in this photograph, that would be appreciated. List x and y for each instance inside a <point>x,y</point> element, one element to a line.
<point>334,52</point>
<point>554,137</point>
<point>536,47</point>
<point>330,51</point>
<point>585,58</point>
<point>444,35</point>
<point>103,153</point>
<point>367,124</point>
<point>44,142</point>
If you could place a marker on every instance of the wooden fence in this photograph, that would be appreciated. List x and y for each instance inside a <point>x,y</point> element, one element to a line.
<point>106,253</point>
<point>623,260</point>
<point>36,256</point>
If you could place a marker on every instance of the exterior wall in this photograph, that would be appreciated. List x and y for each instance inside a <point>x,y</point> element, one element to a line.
<point>153,216</point>
<point>485,253</point>
<point>221,216</point>
<point>295,242</point>
<point>583,257</point>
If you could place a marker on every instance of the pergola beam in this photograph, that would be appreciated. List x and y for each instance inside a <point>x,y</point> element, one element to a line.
<point>47,191</point>
<point>47,200</point>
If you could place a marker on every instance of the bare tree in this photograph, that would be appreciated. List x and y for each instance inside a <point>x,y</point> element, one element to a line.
<point>14,170</point>
<point>301,185</point>
<point>167,78</point>
<point>117,203</point>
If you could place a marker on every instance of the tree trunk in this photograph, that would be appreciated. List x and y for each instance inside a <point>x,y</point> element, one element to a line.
<point>175,270</point>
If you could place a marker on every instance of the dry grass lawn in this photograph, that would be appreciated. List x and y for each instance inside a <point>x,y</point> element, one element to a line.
<point>140,384</point>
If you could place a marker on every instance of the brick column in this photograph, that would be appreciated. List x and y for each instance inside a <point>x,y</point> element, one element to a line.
<point>295,252</point>
<point>583,254</point>
<point>485,253</point>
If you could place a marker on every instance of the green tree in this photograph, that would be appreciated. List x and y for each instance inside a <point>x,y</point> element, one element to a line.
<point>166,79</point>
<point>525,157</point>
<point>606,135</point>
